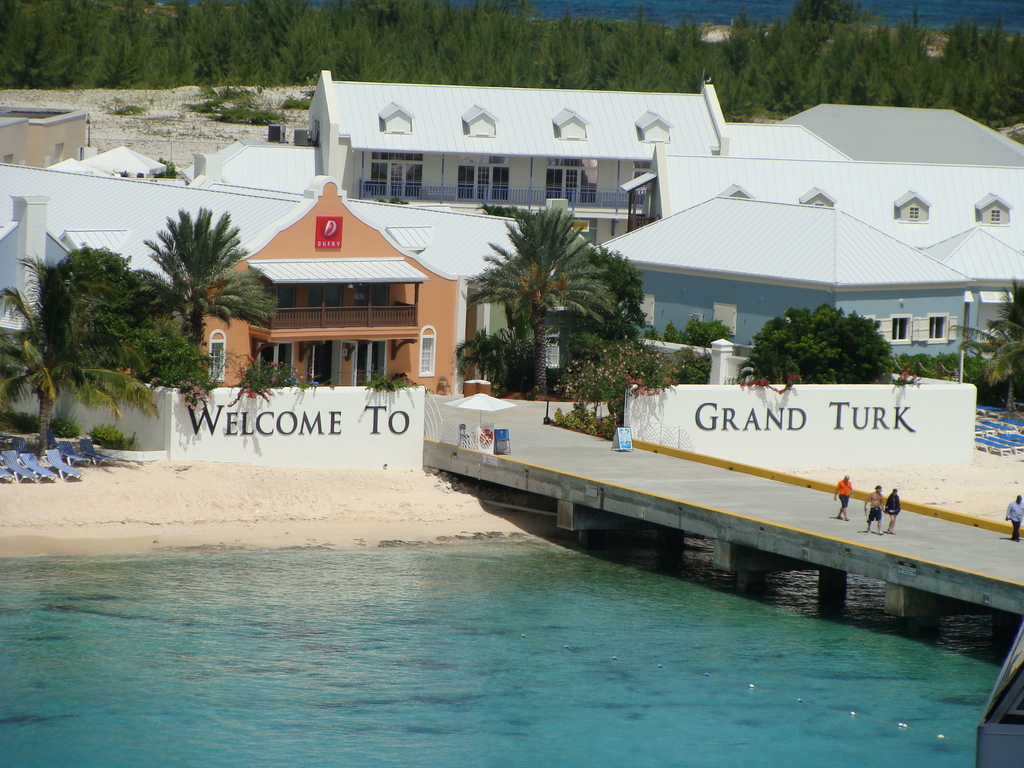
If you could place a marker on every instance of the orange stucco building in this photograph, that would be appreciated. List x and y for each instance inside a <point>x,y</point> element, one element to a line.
<point>352,303</point>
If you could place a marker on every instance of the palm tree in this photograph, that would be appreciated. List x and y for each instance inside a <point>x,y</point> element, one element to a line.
<point>1004,341</point>
<point>199,279</point>
<point>58,350</point>
<point>547,269</point>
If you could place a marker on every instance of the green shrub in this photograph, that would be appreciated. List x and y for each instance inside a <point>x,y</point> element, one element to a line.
<point>580,417</point>
<point>128,110</point>
<point>65,428</point>
<point>113,438</point>
<point>296,103</point>
<point>673,335</point>
<point>700,333</point>
<point>21,422</point>
<point>245,114</point>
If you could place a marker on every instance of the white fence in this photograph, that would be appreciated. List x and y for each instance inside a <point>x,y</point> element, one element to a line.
<point>813,425</point>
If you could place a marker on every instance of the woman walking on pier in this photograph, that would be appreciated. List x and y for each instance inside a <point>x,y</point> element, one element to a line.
<point>892,508</point>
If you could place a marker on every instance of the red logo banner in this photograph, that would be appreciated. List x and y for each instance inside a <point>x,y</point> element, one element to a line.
<point>328,231</point>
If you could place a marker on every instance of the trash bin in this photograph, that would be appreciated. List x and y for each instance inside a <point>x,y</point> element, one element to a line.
<point>476,387</point>
<point>502,444</point>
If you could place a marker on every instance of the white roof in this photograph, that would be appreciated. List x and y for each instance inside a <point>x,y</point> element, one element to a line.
<point>139,209</point>
<point>124,160</point>
<point>778,140</point>
<point>265,166</point>
<point>909,135</point>
<point>415,239</point>
<point>525,118</point>
<point>101,209</point>
<point>867,191</point>
<point>978,254</point>
<point>458,241</point>
<point>792,243</point>
<point>386,270</point>
<point>109,239</point>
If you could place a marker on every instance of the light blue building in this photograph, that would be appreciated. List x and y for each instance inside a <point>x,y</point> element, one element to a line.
<point>744,262</point>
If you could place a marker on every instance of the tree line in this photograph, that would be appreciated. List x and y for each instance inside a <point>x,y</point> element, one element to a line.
<point>822,53</point>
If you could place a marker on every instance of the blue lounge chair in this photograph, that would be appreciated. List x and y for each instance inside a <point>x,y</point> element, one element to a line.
<point>10,460</point>
<point>992,446</point>
<point>86,447</point>
<point>6,474</point>
<point>67,451</point>
<point>57,463</point>
<point>19,445</point>
<point>51,440</point>
<point>987,410</point>
<point>32,464</point>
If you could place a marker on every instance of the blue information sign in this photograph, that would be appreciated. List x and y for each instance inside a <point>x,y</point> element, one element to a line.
<point>623,439</point>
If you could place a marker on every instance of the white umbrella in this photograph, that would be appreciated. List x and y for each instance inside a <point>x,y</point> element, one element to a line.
<point>481,402</point>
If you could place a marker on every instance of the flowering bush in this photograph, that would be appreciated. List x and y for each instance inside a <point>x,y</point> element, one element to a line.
<point>906,379</point>
<point>640,387</point>
<point>392,383</point>
<point>259,378</point>
<point>792,379</point>
<point>194,389</point>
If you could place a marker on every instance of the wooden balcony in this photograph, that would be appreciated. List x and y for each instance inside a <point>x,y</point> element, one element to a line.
<point>343,317</point>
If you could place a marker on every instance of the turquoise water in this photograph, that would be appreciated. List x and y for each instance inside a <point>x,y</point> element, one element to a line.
<point>416,657</point>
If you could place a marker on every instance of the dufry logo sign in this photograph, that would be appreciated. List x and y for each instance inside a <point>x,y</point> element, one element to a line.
<point>328,231</point>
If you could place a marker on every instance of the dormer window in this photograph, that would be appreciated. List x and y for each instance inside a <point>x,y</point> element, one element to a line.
<point>817,197</point>
<point>395,118</point>
<point>480,123</point>
<point>735,190</point>
<point>570,126</point>
<point>992,210</point>
<point>911,208</point>
<point>653,128</point>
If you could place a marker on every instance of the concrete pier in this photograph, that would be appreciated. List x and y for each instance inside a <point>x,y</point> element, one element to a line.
<point>934,567</point>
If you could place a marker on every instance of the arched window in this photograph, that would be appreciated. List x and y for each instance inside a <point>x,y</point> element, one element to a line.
<point>218,355</point>
<point>428,350</point>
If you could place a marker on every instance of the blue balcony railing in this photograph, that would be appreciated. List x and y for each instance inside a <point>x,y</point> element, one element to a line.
<point>523,197</point>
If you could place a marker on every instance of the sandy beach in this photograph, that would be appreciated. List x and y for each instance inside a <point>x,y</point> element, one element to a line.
<point>178,506</point>
<point>195,506</point>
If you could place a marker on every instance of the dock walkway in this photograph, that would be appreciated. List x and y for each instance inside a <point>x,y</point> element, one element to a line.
<point>931,567</point>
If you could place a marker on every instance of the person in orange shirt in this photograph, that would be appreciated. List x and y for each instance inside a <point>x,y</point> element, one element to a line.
<point>844,490</point>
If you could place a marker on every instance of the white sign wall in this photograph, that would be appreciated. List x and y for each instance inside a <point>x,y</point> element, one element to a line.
<point>319,427</point>
<point>813,425</point>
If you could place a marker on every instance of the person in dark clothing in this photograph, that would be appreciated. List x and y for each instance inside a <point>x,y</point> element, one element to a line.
<point>1015,513</point>
<point>892,509</point>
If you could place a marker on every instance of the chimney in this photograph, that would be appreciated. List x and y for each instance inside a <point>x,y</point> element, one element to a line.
<point>717,119</point>
<point>30,242</point>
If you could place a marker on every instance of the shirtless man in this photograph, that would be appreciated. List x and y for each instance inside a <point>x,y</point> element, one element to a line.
<point>873,506</point>
<point>844,489</point>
